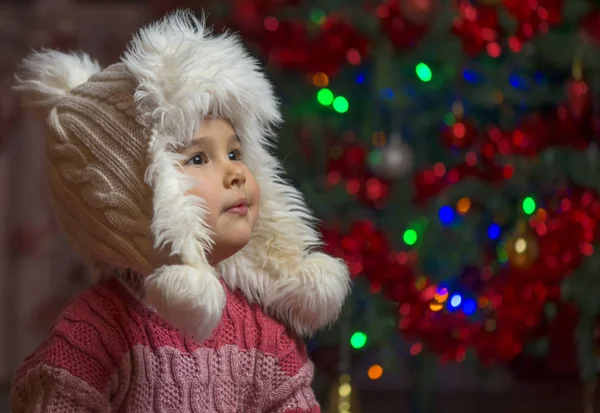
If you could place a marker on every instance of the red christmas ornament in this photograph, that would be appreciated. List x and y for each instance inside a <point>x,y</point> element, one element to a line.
<point>347,166</point>
<point>478,28</point>
<point>459,135</point>
<point>494,313</point>
<point>590,26</point>
<point>431,182</point>
<point>403,33</point>
<point>418,11</point>
<point>288,45</point>
<point>338,44</point>
<point>579,96</point>
<point>535,16</point>
<point>249,15</point>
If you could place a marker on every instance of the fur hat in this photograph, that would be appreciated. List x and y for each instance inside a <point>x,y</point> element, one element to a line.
<point>120,195</point>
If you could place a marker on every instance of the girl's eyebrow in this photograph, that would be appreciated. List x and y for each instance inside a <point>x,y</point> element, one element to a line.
<point>201,141</point>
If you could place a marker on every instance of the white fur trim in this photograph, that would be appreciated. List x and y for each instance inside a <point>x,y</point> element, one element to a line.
<point>48,75</point>
<point>311,294</point>
<point>185,74</point>
<point>307,296</point>
<point>279,269</point>
<point>190,298</point>
<point>178,220</point>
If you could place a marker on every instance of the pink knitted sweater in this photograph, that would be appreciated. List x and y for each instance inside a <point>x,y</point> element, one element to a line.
<point>110,353</point>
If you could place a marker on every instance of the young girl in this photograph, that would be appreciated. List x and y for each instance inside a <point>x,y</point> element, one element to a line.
<point>160,173</point>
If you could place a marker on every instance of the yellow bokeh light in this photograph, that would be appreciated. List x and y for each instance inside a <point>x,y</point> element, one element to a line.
<point>345,390</point>
<point>435,306</point>
<point>463,205</point>
<point>520,245</point>
<point>320,79</point>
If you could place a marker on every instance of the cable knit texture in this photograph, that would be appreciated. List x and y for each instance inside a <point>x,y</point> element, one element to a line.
<point>108,352</point>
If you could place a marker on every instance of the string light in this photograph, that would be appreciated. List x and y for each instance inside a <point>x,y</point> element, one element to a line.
<point>344,391</point>
<point>441,295</point>
<point>469,306</point>
<point>529,205</point>
<point>271,23</point>
<point>340,104</point>
<point>520,245</point>
<point>423,72</point>
<point>494,49</point>
<point>455,301</point>
<point>353,57</point>
<point>493,231</point>
<point>320,79</point>
<point>358,340</point>
<point>375,372</point>
<point>415,349</point>
<point>410,237</point>
<point>325,97</point>
<point>463,205</point>
<point>446,215</point>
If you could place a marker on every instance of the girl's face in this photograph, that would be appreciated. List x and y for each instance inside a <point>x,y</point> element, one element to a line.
<point>215,160</point>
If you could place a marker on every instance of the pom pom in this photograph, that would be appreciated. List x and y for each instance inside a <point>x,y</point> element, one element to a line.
<point>311,295</point>
<point>190,298</point>
<point>47,76</point>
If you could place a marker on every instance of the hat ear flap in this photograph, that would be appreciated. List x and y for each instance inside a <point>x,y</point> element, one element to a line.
<point>190,296</point>
<point>281,267</point>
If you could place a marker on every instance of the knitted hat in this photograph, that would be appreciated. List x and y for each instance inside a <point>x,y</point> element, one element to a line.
<point>120,194</point>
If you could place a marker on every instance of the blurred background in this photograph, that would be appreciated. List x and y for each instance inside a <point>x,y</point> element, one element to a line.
<point>450,148</point>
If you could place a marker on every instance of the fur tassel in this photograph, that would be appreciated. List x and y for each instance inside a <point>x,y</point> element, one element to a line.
<point>47,76</point>
<point>311,295</point>
<point>190,298</point>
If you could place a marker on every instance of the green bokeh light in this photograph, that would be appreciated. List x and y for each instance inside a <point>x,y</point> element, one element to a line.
<point>358,340</point>
<point>423,72</point>
<point>410,236</point>
<point>325,97</point>
<point>529,205</point>
<point>340,104</point>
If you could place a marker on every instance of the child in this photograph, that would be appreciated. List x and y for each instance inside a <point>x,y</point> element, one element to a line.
<point>160,173</point>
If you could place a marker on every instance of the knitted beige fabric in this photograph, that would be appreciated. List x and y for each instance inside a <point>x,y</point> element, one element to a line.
<point>97,154</point>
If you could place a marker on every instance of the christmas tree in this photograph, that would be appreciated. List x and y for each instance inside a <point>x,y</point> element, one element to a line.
<point>450,148</point>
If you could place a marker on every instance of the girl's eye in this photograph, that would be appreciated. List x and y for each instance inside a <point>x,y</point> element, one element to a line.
<point>198,159</point>
<point>235,155</point>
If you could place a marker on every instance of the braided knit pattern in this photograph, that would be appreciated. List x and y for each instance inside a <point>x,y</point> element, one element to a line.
<point>110,353</point>
<point>97,160</point>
